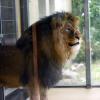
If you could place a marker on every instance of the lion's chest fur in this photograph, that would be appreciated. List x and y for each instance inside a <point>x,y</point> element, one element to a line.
<point>74,51</point>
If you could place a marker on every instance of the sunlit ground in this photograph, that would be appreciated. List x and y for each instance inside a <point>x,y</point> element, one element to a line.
<point>74,94</point>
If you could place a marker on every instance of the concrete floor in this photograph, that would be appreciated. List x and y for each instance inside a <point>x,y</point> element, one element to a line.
<point>74,94</point>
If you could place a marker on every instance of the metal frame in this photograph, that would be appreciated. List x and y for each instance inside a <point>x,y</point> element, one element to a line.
<point>11,37</point>
<point>2,94</point>
<point>87,43</point>
<point>24,14</point>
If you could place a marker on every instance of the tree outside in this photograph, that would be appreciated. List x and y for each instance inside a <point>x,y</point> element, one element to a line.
<point>94,14</point>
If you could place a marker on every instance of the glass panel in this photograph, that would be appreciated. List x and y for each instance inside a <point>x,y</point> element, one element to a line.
<point>7,18</point>
<point>95,40</point>
<point>0,12</point>
<point>8,3</point>
<point>7,13</point>
<point>0,27</point>
<point>24,15</point>
<point>75,73</point>
<point>1,94</point>
<point>8,27</point>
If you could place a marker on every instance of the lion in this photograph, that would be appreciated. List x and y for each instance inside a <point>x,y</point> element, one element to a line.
<point>58,41</point>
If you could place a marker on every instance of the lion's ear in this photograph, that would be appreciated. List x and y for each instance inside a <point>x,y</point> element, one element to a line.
<point>76,21</point>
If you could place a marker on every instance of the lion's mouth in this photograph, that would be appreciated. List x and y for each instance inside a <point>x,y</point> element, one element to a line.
<point>73,44</point>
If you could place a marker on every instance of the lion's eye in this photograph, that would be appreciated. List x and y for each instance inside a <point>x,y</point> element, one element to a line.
<point>68,30</point>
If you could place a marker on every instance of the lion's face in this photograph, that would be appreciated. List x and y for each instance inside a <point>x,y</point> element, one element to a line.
<point>59,46</point>
<point>72,37</point>
<point>66,39</point>
<point>57,35</point>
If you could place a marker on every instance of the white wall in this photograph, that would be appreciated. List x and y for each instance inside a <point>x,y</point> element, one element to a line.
<point>63,5</point>
<point>18,20</point>
<point>33,11</point>
<point>41,8</point>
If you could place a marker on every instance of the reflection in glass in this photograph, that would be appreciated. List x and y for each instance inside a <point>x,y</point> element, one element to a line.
<point>74,74</point>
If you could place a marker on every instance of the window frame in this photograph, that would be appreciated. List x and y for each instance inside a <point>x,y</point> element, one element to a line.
<point>24,15</point>
<point>87,43</point>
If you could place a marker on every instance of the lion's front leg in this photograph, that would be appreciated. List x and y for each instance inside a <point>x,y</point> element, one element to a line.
<point>34,96</point>
<point>43,93</point>
<point>34,89</point>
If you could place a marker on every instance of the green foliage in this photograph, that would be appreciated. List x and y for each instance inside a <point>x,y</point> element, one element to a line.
<point>78,10</point>
<point>81,56</point>
<point>94,13</point>
<point>95,27</point>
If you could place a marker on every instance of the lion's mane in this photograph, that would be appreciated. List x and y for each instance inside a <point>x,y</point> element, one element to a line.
<point>53,50</point>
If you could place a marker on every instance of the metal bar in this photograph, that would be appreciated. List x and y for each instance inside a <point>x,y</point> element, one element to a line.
<point>1,93</point>
<point>24,15</point>
<point>87,43</point>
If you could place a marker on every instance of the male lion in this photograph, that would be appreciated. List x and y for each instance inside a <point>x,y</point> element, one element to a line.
<point>58,41</point>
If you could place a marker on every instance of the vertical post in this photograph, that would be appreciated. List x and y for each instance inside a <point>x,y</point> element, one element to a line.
<point>23,14</point>
<point>18,19</point>
<point>36,91</point>
<point>2,93</point>
<point>87,43</point>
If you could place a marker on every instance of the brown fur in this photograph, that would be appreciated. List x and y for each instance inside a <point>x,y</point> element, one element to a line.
<point>11,62</point>
<point>54,47</point>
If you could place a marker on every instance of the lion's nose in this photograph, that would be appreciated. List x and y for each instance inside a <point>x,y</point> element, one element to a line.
<point>77,34</point>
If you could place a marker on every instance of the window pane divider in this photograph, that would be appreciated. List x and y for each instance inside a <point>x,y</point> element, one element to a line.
<point>87,43</point>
